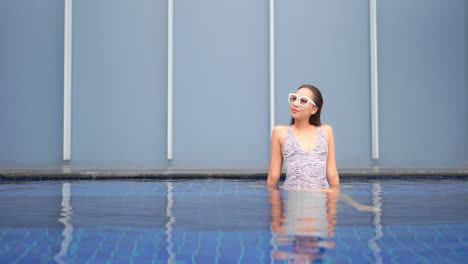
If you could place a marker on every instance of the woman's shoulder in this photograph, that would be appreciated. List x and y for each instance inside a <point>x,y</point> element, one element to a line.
<point>327,130</point>
<point>280,128</point>
<point>280,131</point>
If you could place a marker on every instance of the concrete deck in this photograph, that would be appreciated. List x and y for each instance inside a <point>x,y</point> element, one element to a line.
<point>68,172</point>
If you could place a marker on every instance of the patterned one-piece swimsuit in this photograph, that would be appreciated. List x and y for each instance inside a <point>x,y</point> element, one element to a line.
<point>305,169</point>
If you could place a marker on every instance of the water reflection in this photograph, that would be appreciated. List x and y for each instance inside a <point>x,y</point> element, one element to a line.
<point>65,219</point>
<point>170,222</point>
<point>303,224</point>
<point>377,203</point>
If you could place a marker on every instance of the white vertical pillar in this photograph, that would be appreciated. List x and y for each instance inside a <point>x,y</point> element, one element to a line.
<point>67,79</point>
<point>272,64</point>
<point>374,79</point>
<point>170,77</point>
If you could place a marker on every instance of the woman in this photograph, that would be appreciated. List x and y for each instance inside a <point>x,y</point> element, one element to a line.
<point>307,148</point>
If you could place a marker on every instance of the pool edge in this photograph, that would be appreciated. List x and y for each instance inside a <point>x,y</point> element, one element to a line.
<point>103,174</point>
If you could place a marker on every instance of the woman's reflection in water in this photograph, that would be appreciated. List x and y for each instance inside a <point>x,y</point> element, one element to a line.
<point>303,225</point>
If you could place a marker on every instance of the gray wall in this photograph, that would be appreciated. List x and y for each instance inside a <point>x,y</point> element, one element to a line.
<point>423,78</point>
<point>119,83</point>
<point>31,82</point>
<point>221,81</point>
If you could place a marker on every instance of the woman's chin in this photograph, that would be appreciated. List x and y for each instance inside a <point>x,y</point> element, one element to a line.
<point>296,116</point>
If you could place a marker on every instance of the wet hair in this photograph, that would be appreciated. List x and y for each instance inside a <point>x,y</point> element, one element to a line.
<point>318,100</point>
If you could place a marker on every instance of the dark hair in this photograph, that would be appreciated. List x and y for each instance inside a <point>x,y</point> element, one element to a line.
<point>318,99</point>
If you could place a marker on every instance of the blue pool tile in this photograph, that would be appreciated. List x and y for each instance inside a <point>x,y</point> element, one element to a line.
<point>224,221</point>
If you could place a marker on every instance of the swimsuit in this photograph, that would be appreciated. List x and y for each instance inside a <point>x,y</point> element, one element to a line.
<point>305,169</point>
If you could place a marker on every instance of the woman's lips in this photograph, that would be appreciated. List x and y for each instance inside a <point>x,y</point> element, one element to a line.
<point>294,111</point>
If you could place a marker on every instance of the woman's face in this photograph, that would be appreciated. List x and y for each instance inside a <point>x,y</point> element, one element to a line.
<point>298,111</point>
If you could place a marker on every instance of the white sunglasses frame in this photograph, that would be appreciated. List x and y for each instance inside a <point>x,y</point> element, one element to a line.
<point>299,98</point>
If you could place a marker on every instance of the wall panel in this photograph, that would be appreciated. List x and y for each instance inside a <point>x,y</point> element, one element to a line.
<point>119,80</point>
<point>423,83</point>
<point>221,84</point>
<point>31,81</point>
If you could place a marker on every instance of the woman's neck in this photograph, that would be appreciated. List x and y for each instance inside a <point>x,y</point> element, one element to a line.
<point>302,124</point>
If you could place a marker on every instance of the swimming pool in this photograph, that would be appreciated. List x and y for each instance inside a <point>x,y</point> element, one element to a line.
<point>233,221</point>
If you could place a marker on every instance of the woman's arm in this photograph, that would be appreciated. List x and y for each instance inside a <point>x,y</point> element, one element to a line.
<point>276,162</point>
<point>332,171</point>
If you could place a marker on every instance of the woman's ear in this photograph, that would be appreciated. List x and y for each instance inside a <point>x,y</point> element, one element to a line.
<point>314,110</point>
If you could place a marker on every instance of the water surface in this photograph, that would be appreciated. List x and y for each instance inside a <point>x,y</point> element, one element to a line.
<point>233,221</point>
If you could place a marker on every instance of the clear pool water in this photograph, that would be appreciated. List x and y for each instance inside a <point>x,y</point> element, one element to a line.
<point>233,221</point>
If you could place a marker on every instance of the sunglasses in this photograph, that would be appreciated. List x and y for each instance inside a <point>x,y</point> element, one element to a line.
<point>303,100</point>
